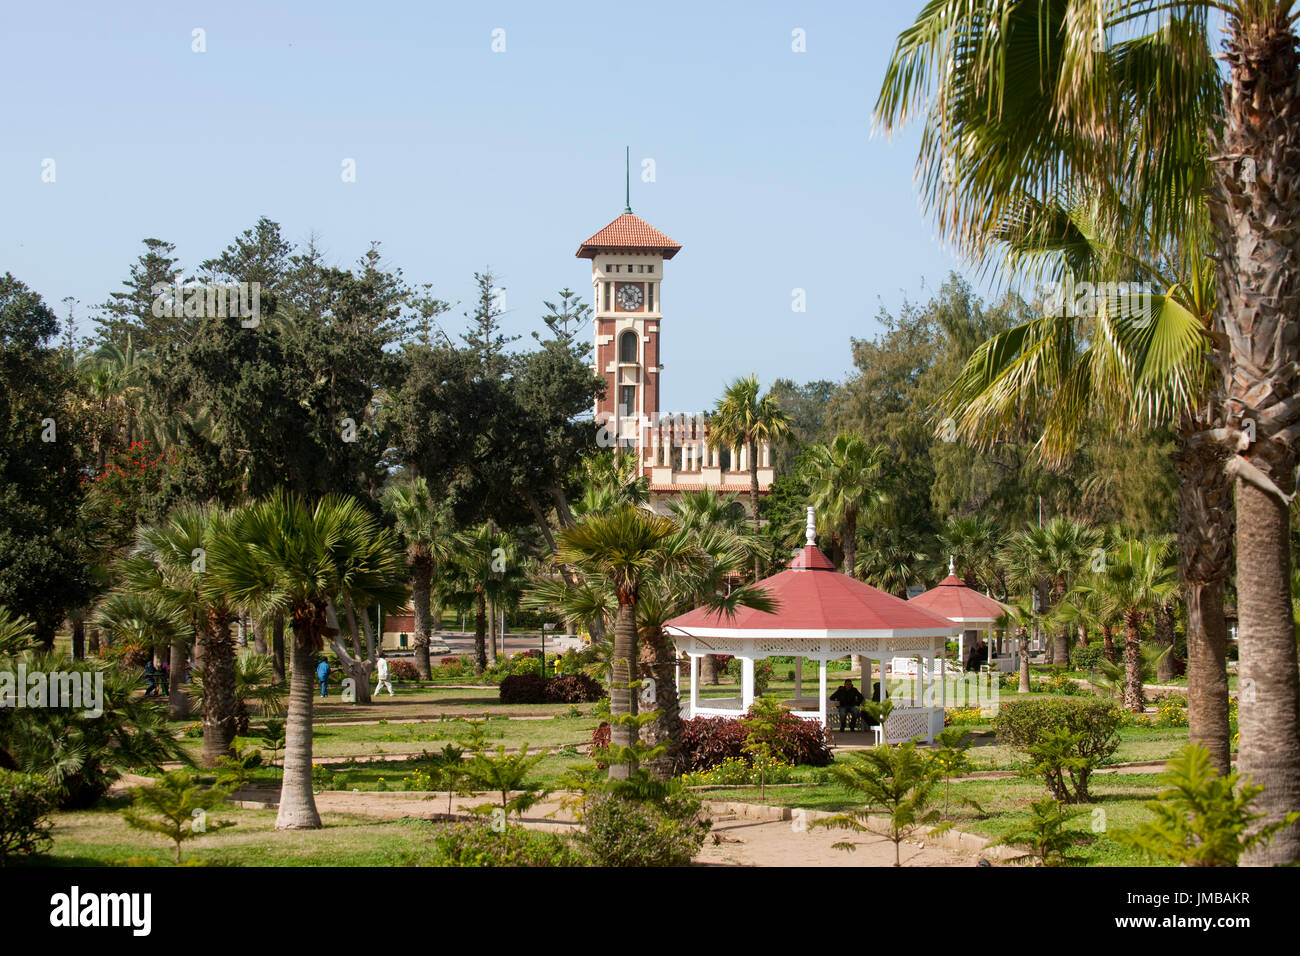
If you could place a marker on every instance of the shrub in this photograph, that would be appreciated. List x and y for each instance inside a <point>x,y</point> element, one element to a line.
<point>617,831</point>
<point>573,689</point>
<point>523,689</point>
<point>1026,724</point>
<point>25,801</point>
<point>708,741</point>
<point>1202,818</point>
<point>735,771</point>
<point>1086,658</point>
<point>959,716</point>
<point>762,673</point>
<point>1058,683</point>
<point>600,738</point>
<point>1171,711</point>
<point>475,844</point>
<point>535,689</point>
<point>403,671</point>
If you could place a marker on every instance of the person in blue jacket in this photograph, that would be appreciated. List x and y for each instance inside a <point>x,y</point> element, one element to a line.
<point>323,675</point>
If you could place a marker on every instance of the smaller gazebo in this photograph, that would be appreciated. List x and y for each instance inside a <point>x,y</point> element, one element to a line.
<point>822,615</point>
<point>962,605</point>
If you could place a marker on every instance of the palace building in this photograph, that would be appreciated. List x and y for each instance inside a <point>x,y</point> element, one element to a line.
<point>628,261</point>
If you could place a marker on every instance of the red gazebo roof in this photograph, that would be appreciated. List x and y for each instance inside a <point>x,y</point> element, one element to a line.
<point>815,600</point>
<point>951,598</point>
<point>629,233</point>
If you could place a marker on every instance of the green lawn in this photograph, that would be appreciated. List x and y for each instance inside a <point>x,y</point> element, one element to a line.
<point>333,740</point>
<point>99,837</point>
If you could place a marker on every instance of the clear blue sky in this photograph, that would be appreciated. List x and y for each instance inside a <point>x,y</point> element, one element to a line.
<point>466,158</point>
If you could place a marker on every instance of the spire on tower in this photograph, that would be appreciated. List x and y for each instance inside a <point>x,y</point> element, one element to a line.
<point>810,533</point>
<point>627,174</point>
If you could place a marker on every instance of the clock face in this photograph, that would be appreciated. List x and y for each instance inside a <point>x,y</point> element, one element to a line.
<point>629,297</point>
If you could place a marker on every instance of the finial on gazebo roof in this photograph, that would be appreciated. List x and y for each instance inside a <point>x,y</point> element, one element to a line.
<point>810,534</point>
<point>952,565</point>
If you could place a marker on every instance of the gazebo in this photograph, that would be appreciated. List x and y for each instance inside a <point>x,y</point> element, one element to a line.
<point>822,615</point>
<point>962,605</point>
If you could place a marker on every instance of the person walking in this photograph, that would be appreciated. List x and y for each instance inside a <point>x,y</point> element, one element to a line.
<point>381,670</point>
<point>150,678</point>
<point>323,675</point>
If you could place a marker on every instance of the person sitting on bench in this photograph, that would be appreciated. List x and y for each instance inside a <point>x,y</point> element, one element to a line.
<point>848,699</point>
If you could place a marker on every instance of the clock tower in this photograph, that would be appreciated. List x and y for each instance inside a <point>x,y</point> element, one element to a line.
<point>627,270</point>
<point>673,451</point>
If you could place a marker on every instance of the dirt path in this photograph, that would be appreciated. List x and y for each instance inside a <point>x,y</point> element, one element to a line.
<point>742,835</point>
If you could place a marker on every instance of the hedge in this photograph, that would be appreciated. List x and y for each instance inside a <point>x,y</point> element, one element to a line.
<point>535,689</point>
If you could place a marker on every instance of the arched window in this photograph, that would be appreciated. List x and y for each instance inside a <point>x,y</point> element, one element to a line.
<point>627,346</point>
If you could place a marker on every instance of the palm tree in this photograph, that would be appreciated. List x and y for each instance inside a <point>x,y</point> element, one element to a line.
<point>845,482</point>
<point>1020,616</point>
<point>621,551</point>
<point>423,526</point>
<point>892,559</point>
<point>985,155</point>
<point>286,554</point>
<point>972,543</point>
<point>741,417</point>
<point>149,620</point>
<point>1049,558</point>
<point>484,568</point>
<point>665,593</point>
<point>1137,583</point>
<point>173,563</point>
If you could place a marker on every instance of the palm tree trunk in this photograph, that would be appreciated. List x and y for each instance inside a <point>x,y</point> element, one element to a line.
<point>259,637</point>
<point>79,636</point>
<point>850,542</point>
<point>480,634</point>
<point>1024,687</point>
<point>178,701</point>
<point>1207,674</point>
<point>218,711</point>
<point>622,700</point>
<point>421,589</point>
<point>297,805</point>
<point>1108,644</point>
<point>666,729</point>
<point>1061,648</point>
<point>1269,748</point>
<point>1134,699</point>
<point>277,647</point>
<point>1253,204</point>
<point>1165,638</point>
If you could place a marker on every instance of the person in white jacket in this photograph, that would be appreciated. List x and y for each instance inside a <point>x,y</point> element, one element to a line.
<point>381,670</point>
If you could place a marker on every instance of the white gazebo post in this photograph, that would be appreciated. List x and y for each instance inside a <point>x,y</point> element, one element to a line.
<point>821,692</point>
<point>798,677</point>
<point>746,682</point>
<point>695,683</point>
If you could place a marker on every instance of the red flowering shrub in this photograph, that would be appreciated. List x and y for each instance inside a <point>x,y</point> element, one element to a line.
<point>707,741</point>
<point>403,670</point>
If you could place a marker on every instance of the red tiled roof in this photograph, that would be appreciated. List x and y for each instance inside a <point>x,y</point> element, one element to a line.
<point>812,596</point>
<point>952,599</point>
<point>628,233</point>
<point>700,486</point>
